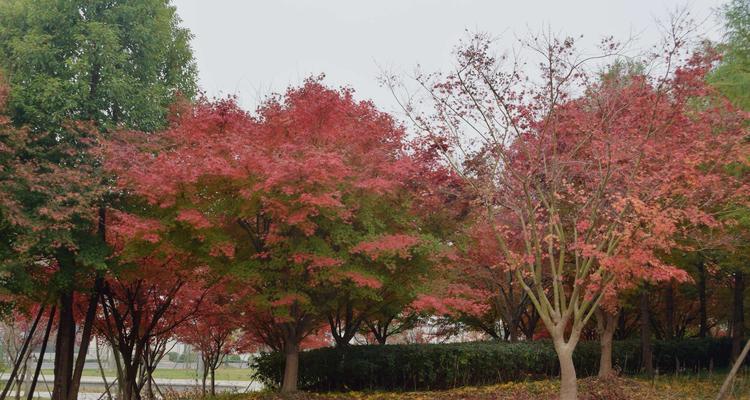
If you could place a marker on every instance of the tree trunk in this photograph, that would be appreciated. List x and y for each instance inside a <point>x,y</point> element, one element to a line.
<point>20,358</point>
<point>103,374</point>
<point>344,327</point>
<point>670,310</point>
<point>724,391</point>
<point>647,354</point>
<point>64,348</point>
<point>68,369</point>
<point>149,388</point>
<point>513,328</point>
<point>291,366</point>
<point>213,381</point>
<point>86,334</point>
<point>530,326</point>
<point>379,329</point>
<point>205,376</point>
<point>39,362</point>
<point>514,311</point>
<point>130,390</point>
<point>120,367</point>
<point>568,382</point>
<point>606,324</point>
<point>21,377</point>
<point>621,325</point>
<point>738,314</point>
<point>703,308</point>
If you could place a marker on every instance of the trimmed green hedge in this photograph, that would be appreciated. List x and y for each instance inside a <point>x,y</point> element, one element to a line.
<point>444,366</point>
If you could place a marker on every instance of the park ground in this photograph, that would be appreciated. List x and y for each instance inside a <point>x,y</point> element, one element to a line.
<point>666,387</point>
<point>222,374</point>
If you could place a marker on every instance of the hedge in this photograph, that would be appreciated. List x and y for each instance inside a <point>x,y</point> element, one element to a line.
<point>445,366</point>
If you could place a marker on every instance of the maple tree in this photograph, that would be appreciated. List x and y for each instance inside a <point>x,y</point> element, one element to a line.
<point>508,313</point>
<point>138,316</point>
<point>303,201</point>
<point>213,331</point>
<point>585,191</point>
<point>67,82</point>
<point>153,287</point>
<point>20,335</point>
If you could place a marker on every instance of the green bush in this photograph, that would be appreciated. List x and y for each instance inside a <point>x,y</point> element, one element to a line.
<point>176,357</point>
<point>444,366</point>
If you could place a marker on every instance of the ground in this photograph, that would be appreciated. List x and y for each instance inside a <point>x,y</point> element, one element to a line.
<point>669,387</point>
<point>222,374</point>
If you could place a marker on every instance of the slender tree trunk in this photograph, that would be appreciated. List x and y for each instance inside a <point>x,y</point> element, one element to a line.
<point>205,377</point>
<point>344,331</point>
<point>149,388</point>
<point>703,330</point>
<point>606,324</point>
<point>738,314</point>
<point>86,335</point>
<point>379,329</point>
<point>43,349</point>
<point>647,354</point>
<point>724,391</point>
<point>291,365</point>
<point>21,377</point>
<point>213,381</point>
<point>515,315</point>
<point>513,328</point>
<point>670,310</point>
<point>621,324</point>
<point>120,367</point>
<point>21,354</point>
<point>102,373</point>
<point>530,327</point>
<point>568,382</point>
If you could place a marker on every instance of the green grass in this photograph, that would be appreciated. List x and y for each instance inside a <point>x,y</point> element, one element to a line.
<point>222,374</point>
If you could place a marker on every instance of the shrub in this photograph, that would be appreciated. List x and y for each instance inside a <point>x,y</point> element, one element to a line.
<point>444,366</point>
<point>176,357</point>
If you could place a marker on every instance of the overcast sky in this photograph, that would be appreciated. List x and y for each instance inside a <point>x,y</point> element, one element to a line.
<point>250,48</point>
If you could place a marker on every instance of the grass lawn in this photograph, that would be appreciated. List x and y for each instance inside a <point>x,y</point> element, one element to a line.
<point>669,387</point>
<point>222,374</point>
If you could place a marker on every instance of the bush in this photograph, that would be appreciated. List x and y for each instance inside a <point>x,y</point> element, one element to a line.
<point>233,358</point>
<point>444,366</point>
<point>176,357</point>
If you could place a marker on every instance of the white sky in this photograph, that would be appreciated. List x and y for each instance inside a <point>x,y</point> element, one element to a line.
<point>250,48</point>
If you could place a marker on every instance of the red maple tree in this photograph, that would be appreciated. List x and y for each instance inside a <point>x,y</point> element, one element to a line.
<point>305,200</point>
<point>584,180</point>
<point>214,331</point>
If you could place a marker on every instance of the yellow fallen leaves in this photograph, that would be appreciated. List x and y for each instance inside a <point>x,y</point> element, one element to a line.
<point>668,387</point>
